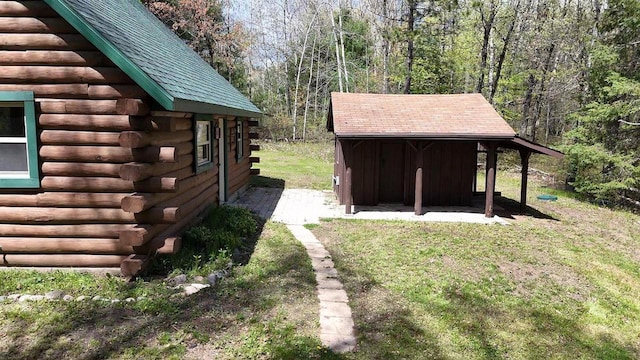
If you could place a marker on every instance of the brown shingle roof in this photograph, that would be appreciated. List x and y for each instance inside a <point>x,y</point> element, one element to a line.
<point>429,116</point>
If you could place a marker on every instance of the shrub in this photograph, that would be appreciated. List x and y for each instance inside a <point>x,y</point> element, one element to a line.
<point>206,247</point>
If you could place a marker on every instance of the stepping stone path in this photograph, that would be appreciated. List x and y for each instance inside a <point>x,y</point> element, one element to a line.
<point>295,208</point>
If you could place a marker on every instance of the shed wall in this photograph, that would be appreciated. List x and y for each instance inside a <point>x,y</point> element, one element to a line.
<point>447,175</point>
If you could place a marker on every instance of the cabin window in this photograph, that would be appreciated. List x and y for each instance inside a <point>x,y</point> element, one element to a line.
<point>204,145</point>
<point>18,146</point>
<point>239,142</point>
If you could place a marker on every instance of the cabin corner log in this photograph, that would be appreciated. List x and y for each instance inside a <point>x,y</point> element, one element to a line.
<point>85,122</point>
<point>254,160</point>
<point>55,215</point>
<point>141,201</point>
<point>139,139</point>
<point>254,147</point>
<point>162,243</point>
<point>65,75</point>
<point>74,200</point>
<point>133,265</point>
<point>254,172</point>
<point>136,171</point>
<point>177,209</point>
<point>101,184</point>
<point>57,260</point>
<point>134,107</point>
<point>66,137</point>
<point>114,91</point>
<point>19,41</point>
<point>26,245</point>
<point>253,123</point>
<point>107,154</point>
<point>141,234</point>
<point>48,91</point>
<point>35,25</point>
<point>26,8</point>
<point>254,136</point>
<point>55,58</point>
<point>80,169</point>
<point>99,122</point>
<point>68,231</point>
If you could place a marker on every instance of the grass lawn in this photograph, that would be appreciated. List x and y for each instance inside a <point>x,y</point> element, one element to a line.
<point>295,165</point>
<point>265,309</point>
<point>565,287</point>
<point>563,284</point>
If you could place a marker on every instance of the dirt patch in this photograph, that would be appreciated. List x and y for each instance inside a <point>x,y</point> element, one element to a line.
<point>527,275</point>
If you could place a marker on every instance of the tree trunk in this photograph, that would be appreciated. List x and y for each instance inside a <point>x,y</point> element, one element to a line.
<point>410,29</point>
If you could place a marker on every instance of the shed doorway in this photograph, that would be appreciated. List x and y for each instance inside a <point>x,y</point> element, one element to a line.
<point>391,189</point>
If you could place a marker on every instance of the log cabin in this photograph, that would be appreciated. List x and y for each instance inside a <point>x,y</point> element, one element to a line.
<point>420,150</point>
<point>114,135</point>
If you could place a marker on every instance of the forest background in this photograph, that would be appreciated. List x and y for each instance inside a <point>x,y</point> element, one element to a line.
<point>561,72</point>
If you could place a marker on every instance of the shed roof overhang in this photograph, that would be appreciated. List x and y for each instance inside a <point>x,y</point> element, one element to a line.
<point>518,143</point>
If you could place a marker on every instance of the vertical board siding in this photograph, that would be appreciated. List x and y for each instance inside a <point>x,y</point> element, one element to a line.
<point>447,171</point>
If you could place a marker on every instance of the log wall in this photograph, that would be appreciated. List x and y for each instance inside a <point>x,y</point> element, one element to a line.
<point>117,180</point>
<point>239,171</point>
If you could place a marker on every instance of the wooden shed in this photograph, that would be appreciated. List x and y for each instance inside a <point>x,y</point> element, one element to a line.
<point>114,135</point>
<point>419,150</point>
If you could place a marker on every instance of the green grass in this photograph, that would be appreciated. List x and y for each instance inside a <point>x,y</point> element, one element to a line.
<point>562,284</point>
<point>266,309</point>
<point>540,288</point>
<point>295,165</point>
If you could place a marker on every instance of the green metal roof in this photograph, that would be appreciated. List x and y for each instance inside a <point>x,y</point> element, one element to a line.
<point>154,57</point>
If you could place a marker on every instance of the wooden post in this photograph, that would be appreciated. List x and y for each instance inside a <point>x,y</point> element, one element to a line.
<point>491,179</point>
<point>418,191</point>
<point>524,158</point>
<point>348,193</point>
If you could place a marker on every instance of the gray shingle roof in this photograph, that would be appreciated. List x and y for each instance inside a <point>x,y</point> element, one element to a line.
<point>153,56</point>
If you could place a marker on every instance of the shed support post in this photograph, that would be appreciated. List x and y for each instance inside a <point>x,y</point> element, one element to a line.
<point>524,158</point>
<point>491,179</point>
<point>418,191</point>
<point>348,197</point>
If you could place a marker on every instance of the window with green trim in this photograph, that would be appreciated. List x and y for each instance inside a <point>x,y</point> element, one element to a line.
<point>239,141</point>
<point>204,145</point>
<point>18,141</point>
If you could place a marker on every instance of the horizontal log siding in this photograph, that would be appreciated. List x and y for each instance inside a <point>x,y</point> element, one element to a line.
<point>117,179</point>
<point>239,172</point>
<point>76,218</point>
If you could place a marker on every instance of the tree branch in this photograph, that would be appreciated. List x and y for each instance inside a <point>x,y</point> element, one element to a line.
<point>629,123</point>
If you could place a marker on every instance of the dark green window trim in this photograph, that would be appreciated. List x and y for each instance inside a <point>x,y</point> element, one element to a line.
<point>239,140</point>
<point>32,180</point>
<point>199,168</point>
